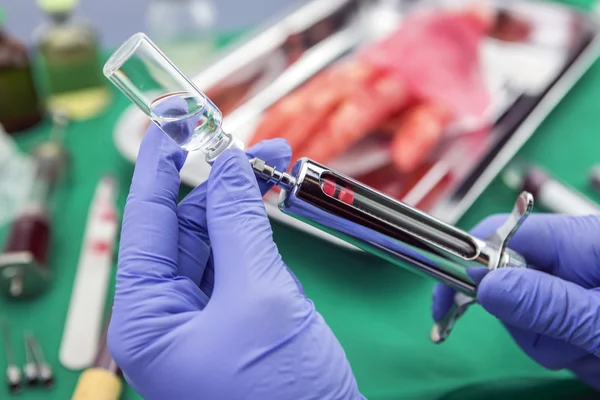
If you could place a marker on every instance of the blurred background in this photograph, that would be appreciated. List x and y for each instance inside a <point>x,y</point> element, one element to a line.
<point>450,106</point>
<point>117,20</point>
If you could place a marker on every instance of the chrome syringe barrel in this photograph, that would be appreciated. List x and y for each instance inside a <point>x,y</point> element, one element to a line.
<point>395,231</point>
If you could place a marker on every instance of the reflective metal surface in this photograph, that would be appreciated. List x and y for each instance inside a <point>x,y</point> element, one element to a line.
<point>397,232</point>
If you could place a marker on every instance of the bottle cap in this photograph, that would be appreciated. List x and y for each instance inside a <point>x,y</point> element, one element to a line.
<point>57,6</point>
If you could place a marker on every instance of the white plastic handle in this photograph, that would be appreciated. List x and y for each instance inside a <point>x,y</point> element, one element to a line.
<point>86,309</point>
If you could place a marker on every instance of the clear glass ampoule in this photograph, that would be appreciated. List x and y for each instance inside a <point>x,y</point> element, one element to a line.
<point>150,80</point>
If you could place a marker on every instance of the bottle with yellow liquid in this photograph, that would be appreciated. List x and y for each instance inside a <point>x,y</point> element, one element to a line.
<point>69,64</point>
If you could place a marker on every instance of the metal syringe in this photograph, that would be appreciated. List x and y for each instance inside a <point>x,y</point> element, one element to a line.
<point>395,231</point>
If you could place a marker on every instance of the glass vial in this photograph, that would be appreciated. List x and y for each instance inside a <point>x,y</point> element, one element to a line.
<point>174,103</point>
<point>68,60</point>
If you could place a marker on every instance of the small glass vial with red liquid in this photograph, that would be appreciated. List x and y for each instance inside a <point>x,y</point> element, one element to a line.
<point>24,264</point>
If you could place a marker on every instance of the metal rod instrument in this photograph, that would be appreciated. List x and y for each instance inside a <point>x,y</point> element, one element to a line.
<point>30,369</point>
<point>14,379</point>
<point>45,373</point>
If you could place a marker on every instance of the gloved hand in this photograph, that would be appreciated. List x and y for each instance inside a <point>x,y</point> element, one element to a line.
<point>204,307</point>
<point>553,312</point>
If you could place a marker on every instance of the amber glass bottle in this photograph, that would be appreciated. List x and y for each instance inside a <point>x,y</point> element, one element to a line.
<point>20,107</point>
<point>69,62</point>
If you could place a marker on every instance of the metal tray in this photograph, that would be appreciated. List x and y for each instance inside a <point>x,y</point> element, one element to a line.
<point>264,66</point>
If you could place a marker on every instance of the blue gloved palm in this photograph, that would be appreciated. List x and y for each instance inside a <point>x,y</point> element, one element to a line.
<point>204,306</point>
<point>553,313</point>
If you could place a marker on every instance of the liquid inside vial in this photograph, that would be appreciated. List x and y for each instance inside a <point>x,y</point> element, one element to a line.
<point>192,121</point>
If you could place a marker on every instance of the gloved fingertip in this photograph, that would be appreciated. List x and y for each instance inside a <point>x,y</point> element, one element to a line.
<point>501,290</point>
<point>157,145</point>
<point>277,152</point>
<point>489,225</point>
<point>232,178</point>
<point>477,274</point>
<point>443,296</point>
<point>277,146</point>
<point>156,176</point>
<point>543,304</point>
<point>231,161</point>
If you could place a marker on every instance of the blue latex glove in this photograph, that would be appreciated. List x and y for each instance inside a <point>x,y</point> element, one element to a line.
<point>204,306</point>
<point>553,313</point>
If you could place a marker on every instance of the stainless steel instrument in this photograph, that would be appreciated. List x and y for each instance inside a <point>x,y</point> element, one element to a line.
<point>397,232</point>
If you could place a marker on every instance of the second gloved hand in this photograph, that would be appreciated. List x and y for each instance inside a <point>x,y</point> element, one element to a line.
<point>204,307</point>
<point>553,312</point>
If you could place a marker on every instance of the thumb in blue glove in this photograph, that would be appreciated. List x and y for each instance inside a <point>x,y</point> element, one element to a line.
<point>553,311</point>
<point>204,305</point>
